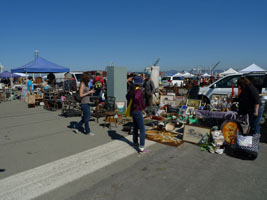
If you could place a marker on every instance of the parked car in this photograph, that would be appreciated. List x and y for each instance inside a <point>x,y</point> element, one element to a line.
<point>172,80</point>
<point>228,83</point>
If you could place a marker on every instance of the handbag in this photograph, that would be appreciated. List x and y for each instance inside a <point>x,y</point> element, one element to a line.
<point>31,99</point>
<point>77,96</point>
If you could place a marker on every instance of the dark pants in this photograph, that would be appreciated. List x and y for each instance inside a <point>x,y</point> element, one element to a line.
<point>85,118</point>
<point>138,123</point>
<point>148,101</point>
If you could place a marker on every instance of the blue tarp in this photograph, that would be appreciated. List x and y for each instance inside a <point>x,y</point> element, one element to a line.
<point>40,65</point>
<point>7,74</point>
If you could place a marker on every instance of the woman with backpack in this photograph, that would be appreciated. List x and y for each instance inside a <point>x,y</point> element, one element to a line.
<point>85,100</point>
<point>135,97</point>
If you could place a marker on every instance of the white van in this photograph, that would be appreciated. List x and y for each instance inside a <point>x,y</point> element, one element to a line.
<point>172,80</point>
<point>226,84</point>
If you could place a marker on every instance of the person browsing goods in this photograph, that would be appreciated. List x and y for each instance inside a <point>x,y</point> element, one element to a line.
<point>135,96</point>
<point>85,100</point>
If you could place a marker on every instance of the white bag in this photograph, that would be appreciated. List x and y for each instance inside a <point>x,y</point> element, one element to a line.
<point>244,141</point>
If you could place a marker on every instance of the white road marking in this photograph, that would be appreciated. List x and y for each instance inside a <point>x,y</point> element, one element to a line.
<point>40,180</point>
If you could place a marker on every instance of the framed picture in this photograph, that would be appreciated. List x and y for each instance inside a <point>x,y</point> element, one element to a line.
<point>194,134</point>
<point>120,107</point>
<point>163,98</point>
<point>169,102</point>
<point>193,103</point>
<point>190,110</point>
<point>171,94</point>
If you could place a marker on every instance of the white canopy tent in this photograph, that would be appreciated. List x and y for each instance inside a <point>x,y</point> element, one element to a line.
<point>187,75</point>
<point>205,75</point>
<point>178,74</point>
<point>252,68</point>
<point>228,71</point>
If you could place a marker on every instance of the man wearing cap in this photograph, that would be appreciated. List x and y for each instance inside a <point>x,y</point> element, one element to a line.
<point>149,91</point>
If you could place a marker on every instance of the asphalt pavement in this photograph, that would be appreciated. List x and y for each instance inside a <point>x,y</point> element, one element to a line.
<point>37,141</point>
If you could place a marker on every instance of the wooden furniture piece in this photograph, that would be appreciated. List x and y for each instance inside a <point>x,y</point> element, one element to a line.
<point>110,118</point>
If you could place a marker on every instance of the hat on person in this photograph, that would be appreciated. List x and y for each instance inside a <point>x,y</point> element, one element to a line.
<point>138,80</point>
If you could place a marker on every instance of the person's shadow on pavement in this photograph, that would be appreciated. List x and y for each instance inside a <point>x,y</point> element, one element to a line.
<point>115,136</point>
<point>73,125</point>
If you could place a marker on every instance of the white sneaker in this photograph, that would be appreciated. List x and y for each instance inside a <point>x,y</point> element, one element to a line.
<point>76,131</point>
<point>142,149</point>
<point>91,134</point>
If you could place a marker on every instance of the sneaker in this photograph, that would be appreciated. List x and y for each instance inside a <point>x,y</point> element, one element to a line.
<point>142,149</point>
<point>91,134</point>
<point>76,131</point>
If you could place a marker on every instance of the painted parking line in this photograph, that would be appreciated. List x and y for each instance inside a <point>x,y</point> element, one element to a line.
<point>40,180</point>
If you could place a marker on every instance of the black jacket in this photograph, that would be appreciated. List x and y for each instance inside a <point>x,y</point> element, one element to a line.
<point>247,99</point>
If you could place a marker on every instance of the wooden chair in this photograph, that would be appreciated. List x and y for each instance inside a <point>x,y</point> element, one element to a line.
<point>110,115</point>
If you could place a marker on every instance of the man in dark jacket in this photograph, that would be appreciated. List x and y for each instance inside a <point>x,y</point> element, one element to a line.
<point>149,89</point>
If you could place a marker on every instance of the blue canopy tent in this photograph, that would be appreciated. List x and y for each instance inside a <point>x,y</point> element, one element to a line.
<point>40,65</point>
<point>7,74</point>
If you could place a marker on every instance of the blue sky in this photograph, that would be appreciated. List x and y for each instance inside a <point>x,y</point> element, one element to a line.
<point>87,34</point>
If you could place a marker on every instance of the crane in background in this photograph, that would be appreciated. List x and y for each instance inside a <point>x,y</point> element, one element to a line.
<point>148,69</point>
<point>212,68</point>
<point>155,63</point>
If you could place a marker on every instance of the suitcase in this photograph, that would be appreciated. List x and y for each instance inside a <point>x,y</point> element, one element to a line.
<point>248,152</point>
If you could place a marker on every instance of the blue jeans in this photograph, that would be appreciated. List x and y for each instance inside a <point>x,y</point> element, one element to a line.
<point>138,123</point>
<point>255,121</point>
<point>85,118</point>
